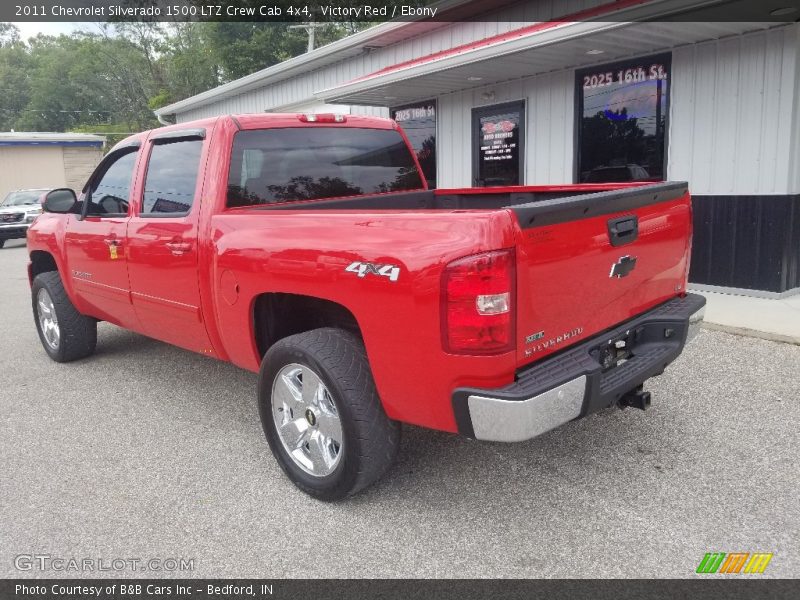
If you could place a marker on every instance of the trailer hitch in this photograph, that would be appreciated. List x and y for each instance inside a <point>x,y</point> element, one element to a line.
<point>636,398</point>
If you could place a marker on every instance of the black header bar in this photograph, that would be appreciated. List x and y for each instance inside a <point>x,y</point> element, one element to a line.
<point>301,11</point>
<point>709,587</point>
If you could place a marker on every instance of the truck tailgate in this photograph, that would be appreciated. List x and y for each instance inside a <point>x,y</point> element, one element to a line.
<point>588,262</point>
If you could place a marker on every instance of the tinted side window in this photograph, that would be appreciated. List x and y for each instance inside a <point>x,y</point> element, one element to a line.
<point>281,165</point>
<point>110,193</point>
<point>172,177</point>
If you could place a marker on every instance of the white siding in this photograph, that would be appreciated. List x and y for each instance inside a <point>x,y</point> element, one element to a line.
<point>548,149</point>
<point>551,121</point>
<point>794,157</point>
<point>733,114</point>
<point>370,111</point>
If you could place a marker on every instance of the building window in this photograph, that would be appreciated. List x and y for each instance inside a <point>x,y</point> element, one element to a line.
<point>622,120</point>
<point>419,123</point>
<point>498,133</point>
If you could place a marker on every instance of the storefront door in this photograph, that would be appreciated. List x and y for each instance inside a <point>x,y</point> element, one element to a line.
<point>498,134</point>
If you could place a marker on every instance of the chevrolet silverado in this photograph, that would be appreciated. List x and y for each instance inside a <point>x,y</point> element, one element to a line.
<point>308,248</point>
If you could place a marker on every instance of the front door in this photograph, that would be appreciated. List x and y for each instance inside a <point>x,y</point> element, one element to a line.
<point>498,134</point>
<point>95,242</point>
<point>162,244</point>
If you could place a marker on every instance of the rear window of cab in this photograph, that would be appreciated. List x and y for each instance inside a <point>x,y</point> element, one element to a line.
<point>270,166</point>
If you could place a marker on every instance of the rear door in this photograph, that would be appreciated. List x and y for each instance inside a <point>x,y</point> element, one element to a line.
<point>589,262</point>
<point>162,242</point>
<point>95,241</point>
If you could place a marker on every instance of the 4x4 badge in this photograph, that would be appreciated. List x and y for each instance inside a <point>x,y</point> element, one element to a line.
<point>364,268</point>
<point>623,267</point>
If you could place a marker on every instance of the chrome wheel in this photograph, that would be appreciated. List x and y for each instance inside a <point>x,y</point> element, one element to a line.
<point>48,321</point>
<point>307,420</point>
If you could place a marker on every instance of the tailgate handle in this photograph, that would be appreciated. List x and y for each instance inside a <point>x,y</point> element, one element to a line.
<point>623,230</point>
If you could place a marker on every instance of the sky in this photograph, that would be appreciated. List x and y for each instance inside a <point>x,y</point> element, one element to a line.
<point>31,29</point>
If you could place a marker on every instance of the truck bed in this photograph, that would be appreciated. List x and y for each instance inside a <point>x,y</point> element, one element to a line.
<point>576,275</point>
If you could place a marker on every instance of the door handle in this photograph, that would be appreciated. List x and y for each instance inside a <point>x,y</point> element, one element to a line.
<point>623,230</point>
<point>111,241</point>
<point>178,248</point>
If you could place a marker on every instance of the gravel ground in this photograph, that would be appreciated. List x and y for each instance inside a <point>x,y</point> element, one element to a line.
<point>147,451</point>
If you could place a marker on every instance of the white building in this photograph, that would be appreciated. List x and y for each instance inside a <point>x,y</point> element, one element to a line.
<point>515,97</point>
<point>47,160</point>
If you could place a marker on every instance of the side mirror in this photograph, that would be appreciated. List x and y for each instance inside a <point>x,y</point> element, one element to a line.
<point>61,200</point>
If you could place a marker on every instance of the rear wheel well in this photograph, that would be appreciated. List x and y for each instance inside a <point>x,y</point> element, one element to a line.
<point>42,262</point>
<point>277,315</point>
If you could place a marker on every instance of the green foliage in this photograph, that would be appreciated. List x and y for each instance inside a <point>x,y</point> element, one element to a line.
<point>9,33</point>
<point>15,83</point>
<point>112,78</point>
<point>114,132</point>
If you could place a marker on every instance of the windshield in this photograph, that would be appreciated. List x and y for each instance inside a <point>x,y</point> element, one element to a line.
<point>23,198</point>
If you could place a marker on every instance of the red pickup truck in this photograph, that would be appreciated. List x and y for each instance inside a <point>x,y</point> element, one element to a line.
<point>309,249</point>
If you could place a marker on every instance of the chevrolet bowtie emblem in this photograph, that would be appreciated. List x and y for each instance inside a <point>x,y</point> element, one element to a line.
<point>623,266</point>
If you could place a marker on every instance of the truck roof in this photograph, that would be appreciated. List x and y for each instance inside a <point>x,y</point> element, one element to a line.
<point>268,120</point>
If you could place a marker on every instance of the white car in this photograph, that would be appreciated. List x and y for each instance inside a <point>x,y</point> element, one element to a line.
<point>17,211</point>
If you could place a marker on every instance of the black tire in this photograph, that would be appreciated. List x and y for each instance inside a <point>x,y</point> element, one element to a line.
<point>371,439</point>
<point>77,332</point>
<point>2,243</point>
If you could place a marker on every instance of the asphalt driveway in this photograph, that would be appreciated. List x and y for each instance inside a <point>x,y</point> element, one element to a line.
<point>146,451</point>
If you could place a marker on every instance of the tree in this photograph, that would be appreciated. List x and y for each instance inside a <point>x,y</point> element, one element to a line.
<point>14,80</point>
<point>189,65</point>
<point>9,34</point>
<point>244,48</point>
<point>112,79</point>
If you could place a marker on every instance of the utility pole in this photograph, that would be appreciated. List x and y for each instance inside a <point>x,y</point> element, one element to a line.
<point>310,29</point>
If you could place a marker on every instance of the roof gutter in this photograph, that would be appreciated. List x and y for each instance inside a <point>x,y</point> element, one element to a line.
<point>161,118</point>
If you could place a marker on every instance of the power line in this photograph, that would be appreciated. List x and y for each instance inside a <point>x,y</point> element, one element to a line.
<point>54,110</point>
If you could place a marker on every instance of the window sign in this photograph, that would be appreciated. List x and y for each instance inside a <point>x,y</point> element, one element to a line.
<point>622,123</point>
<point>419,123</point>
<point>497,145</point>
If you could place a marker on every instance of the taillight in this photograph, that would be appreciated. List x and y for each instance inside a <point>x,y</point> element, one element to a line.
<point>478,295</point>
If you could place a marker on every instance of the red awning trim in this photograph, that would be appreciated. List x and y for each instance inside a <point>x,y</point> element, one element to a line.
<point>582,15</point>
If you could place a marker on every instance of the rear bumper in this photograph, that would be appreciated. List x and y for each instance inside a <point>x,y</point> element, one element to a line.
<point>573,384</point>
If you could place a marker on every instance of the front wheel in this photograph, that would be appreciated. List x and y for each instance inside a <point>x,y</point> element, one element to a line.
<point>2,243</point>
<point>322,416</point>
<point>65,333</point>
